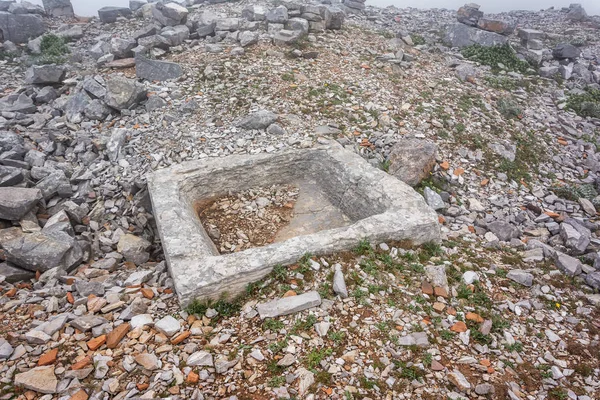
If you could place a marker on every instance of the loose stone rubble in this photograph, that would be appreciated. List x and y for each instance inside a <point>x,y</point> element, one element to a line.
<point>506,306</point>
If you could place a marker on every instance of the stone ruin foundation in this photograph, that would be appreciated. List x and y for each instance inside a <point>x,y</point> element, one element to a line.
<point>334,199</point>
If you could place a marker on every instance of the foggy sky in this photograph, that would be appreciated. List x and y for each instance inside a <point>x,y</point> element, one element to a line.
<point>89,7</point>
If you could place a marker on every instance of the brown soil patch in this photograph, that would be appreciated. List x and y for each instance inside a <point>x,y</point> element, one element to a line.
<point>248,219</point>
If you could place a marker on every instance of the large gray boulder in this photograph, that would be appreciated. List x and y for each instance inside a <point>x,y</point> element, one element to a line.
<point>461,35</point>
<point>75,106</point>
<point>41,251</point>
<point>170,14</point>
<point>411,160</point>
<point>277,15</point>
<point>19,28</point>
<point>469,14</point>
<point>25,7</point>
<point>504,230</point>
<point>154,70</point>
<point>255,13</point>
<point>17,102</point>
<point>123,93</point>
<point>258,120</point>
<point>15,202</point>
<point>122,48</point>
<point>176,35</point>
<point>576,13</point>
<point>110,14</point>
<point>43,74</point>
<point>58,8</point>
<point>565,50</point>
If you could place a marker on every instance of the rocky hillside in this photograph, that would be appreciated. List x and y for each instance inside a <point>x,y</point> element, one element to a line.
<point>494,119</point>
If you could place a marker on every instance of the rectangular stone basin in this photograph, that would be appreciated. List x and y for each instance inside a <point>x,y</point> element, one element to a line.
<point>363,202</point>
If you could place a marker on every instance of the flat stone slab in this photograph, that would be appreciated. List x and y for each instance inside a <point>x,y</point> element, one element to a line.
<point>289,305</point>
<point>379,208</point>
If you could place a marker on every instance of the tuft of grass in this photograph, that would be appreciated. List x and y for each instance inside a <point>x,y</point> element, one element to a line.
<point>314,358</point>
<point>224,308</point>
<point>495,55</point>
<point>585,104</point>
<point>272,324</point>
<point>417,39</point>
<point>364,247</point>
<point>527,158</point>
<point>508,108</point>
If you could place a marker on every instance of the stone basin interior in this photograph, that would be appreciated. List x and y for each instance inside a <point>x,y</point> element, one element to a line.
<point>325,200</point>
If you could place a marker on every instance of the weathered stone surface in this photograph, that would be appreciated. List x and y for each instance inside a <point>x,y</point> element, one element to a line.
<point>133,248</point>
<point>459,380</point>
<point>168,325</point>
<point>569,265</point>
<point>530,34</point>
<point>503,230</point>
<point>201,359</point>
<point>58,8</point>
<point>15,202</point>
<point>51,73</point>
<point>520,276</point>
<point>339,284</point>
<point>248,38</point>
<point>5,349</point>
<point>496,25</point>
<point>116,335</point>
<point>433,199</point>
<point>17,103</point>
<point>287,37</point>
<point>411,160</point>
<point>13,274</point>
<point>297,24</point>
<point>19,28</point>
<point>169,14</point>
<point>40,251</point>
<point>110,14</point>
<point>565,50</point>
<point>154,70</point>
<point>121,48</point>
<point>469,14</point>
<point>277,15</point>
<point>123,93</point>
<point>576,13</point>
<point>288,305</point>
<point>39,379</point>
<point>575,235</point>
<point>87,322</point>
<point>461,35</point>
<point>258,120</point>
<point>192,265</point>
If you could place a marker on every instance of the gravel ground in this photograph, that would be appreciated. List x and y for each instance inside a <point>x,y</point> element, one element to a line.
<point>505,306</point>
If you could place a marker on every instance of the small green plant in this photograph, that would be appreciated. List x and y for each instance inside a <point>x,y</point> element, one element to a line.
<point>385,165</point>
<point>427,359</point>
<point>277,381</point>
<point>52,50</point>
<point>417,39</point>
<point>278,346</point>
<point>446,334</point>
<point>315,357</point>
<point>585,104</point>
<point>508,108</point>
<point>516,346</point>
<point>336,336</point>
<point>363,247</point>
<point>288,77</point>
<point>279,273</point>
<point>304,325</point>
<point>494,56</point>
<point>272,324</point>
